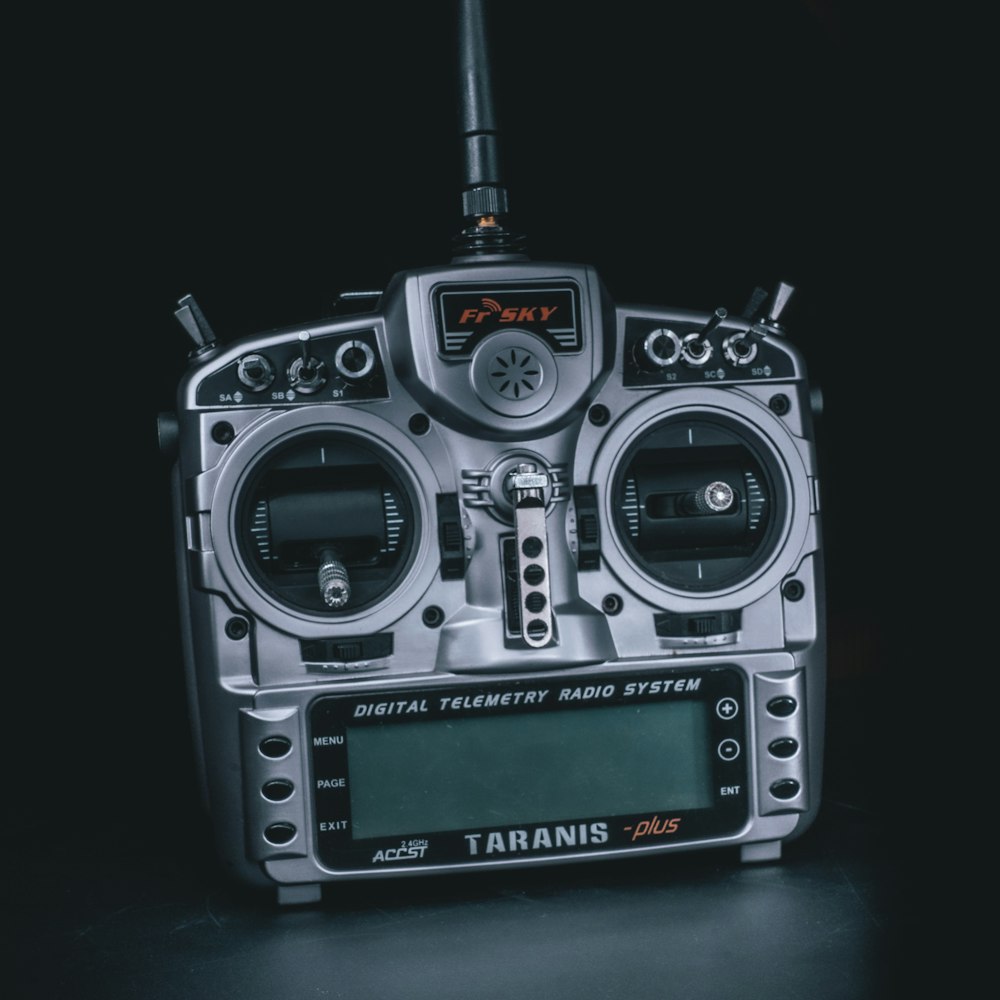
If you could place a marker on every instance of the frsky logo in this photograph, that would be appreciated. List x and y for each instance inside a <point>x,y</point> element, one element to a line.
<point>466,316</point>
<point>510,314</point>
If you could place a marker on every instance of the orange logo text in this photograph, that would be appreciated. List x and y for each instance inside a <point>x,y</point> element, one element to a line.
<point>512,314</point>
<point>653,827</point>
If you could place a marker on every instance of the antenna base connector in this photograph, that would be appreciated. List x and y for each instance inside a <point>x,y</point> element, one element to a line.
<point>487,237</point>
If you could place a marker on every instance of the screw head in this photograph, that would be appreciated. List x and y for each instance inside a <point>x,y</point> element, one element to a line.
<point>237,628</point>
<point>599,415</point>
<point>222,432</point>
<point>780,404</point>
<point>432,616</point>
<point>612,604</point>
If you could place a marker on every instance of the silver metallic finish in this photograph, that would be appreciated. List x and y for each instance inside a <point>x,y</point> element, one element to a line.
<point>255,371</point>
<point>771,769</point>
<point>714,320</point>
<point>532,554</point>
<point>653,344</point>
<point>490,487</point>
<point>522,480</point>
<point>698,641</point>
<point>334,583</point>
<point>243,692</point>
<point>715,498</point>
<point>356,345</point>
<point>307,375</point>
<point>695,350</point>
<point>740,349</point>
<point>759,424</point>
<point>779,301</point>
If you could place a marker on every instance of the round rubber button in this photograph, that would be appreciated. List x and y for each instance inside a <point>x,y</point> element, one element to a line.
<point>280,833</point>
<point>784,747</point>
<point>786,788</point>
<point>277,790</point>
<point>782,706</point>
<point>275,746</point>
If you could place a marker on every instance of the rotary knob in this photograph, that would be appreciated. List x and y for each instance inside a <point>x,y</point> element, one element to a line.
<point>661,348</point>
<point>354,360</point>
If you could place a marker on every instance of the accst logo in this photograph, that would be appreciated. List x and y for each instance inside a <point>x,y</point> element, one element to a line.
<point>509,314</point>
<point>408,850</point>
<point>653,827</point>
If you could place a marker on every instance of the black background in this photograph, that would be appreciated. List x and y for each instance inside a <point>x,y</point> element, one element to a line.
<point>267,162</point>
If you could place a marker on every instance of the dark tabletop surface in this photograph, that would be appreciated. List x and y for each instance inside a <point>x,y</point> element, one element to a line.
<point>109,918</point>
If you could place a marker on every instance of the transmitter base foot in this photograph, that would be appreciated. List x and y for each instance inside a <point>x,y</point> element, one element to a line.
<point>299,895</point>
<point>768,850</point>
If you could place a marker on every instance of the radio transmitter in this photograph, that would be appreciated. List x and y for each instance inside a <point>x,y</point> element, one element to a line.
<point>499,572</point>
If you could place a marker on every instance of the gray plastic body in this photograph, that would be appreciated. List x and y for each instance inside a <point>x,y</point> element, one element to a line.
<point>576,421</point>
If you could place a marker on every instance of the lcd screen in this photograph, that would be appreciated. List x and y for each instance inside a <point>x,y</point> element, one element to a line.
<point>463,773</point>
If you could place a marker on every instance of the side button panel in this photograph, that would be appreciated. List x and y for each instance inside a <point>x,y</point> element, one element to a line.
<point>274,792</point>
<point>782,771</point>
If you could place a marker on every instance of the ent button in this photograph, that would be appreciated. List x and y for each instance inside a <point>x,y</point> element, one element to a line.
<point>786,788</point>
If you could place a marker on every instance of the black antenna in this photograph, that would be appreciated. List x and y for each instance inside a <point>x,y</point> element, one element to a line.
<point>484,197</point>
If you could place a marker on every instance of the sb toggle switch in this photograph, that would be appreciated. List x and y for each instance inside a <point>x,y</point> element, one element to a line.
<point>306,373</point>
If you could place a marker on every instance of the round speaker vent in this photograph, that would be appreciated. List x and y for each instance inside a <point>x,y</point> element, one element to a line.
<point>513,373</point>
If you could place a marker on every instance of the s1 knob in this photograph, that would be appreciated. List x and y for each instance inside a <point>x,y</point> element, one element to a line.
<point>354,360</point>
